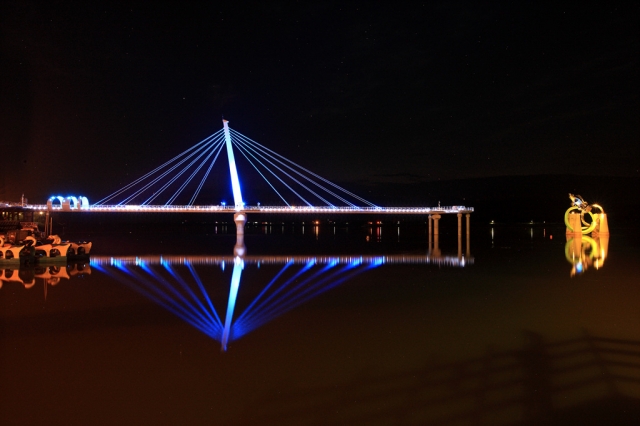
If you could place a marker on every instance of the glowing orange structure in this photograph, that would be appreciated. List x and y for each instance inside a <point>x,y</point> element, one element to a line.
<point>575,221</point>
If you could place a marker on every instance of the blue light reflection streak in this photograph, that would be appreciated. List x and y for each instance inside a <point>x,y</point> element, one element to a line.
<point>141,286</point>
<point>182,291</point>
<point>233,295</point>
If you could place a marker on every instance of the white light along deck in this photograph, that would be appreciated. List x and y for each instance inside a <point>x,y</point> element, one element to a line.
<point>456,261</point>
<point>253,209</point>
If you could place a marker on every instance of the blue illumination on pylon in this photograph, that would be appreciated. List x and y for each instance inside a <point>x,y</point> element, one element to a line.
<point>235,181</point>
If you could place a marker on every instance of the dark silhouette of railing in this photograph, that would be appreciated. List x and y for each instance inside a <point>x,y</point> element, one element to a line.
<point>586,380</point>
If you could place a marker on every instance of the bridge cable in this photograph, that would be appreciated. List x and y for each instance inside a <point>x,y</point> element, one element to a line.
<point>177,193</point>
<point>295,180</point>
<point>147,186</point>
<point>157,193</point>
<point>242,151</point>
<point>306,170</point>
<point>175,177</point>
<point>247,148</point>
<point>248,151</point>
<point>118,192</point>
<point>308,179</point>
<point>206,175</point>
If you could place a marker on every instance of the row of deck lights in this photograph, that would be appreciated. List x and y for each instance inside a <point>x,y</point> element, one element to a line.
<point>81,203</point>
<point>285,209</point>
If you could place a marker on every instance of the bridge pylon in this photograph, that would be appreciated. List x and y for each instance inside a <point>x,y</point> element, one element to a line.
<point>235,181</point>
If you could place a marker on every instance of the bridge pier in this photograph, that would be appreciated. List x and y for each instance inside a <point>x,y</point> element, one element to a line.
<point>430,236</point>
<point>468,217</point>
<point>468,223</point>
<point>436,219</point>
<point>434,234</point>
<point>240,218</point>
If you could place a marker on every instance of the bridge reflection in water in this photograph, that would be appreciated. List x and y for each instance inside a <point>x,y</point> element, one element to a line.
<point>187,286</point>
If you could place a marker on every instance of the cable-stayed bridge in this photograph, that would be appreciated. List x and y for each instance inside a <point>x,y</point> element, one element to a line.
<point>179,185</point>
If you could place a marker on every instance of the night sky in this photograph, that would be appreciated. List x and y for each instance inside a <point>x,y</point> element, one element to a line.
<point>93,95</point>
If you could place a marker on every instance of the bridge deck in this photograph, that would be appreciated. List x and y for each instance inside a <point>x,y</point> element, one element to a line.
<point>256,209</point>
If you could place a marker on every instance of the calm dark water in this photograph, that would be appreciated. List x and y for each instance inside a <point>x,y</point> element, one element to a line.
<point>356,325</point>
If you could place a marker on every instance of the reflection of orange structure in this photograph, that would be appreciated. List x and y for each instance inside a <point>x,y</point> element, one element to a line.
<point>584,252</point>
<point>602,226</point>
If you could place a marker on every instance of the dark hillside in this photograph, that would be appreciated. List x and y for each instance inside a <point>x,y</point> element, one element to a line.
<point>519,198</point>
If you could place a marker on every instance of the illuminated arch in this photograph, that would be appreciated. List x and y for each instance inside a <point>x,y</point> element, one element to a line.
<point>58,198</point>
<point>73,202</point>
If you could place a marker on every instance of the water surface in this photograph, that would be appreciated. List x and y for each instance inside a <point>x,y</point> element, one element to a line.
<point>324,325</point>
